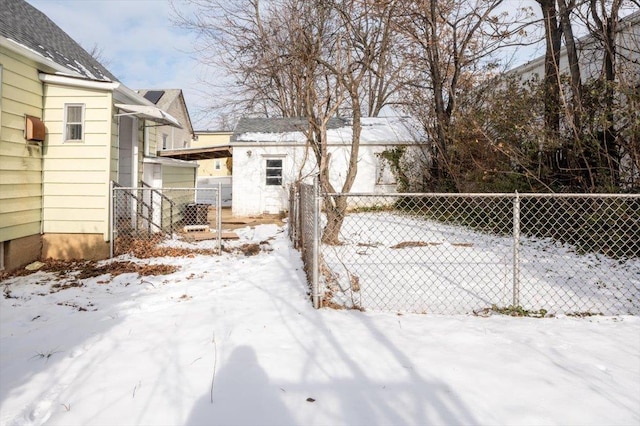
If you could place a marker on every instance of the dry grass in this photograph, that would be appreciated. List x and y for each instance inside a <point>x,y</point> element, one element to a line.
<point>80,270</point>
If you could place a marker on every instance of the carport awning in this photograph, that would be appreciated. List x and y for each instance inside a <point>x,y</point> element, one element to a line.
<point>200,153</point>
<point>151,113</point>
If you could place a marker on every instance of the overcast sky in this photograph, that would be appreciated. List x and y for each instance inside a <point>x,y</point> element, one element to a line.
<point>139,44</point>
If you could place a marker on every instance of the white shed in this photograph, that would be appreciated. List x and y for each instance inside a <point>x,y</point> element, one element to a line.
<point>270,154</point>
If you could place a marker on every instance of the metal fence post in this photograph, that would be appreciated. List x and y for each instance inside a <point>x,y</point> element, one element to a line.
<point>516,250</point>
<point>316,242</point>
<point>112,229</point>
<point>219,217</point>
<point>171,219</point>
<point>296,222</point>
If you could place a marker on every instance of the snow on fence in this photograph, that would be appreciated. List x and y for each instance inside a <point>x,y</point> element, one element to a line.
<point>574,254</point>
<point>145,219</point>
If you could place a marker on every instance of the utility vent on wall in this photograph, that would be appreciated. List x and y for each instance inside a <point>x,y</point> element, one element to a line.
<point>34,129</point>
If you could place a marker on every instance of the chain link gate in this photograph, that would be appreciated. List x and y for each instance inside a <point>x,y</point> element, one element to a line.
<point>462,253</point>
<point>185,218</point>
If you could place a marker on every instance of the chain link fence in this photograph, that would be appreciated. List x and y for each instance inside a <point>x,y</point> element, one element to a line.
<point>146,218</point>
<point>471,253</point>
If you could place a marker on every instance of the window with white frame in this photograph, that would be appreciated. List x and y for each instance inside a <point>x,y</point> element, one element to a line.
<point>165,140</point>
<point>73,122</point>
<point>274,172</point>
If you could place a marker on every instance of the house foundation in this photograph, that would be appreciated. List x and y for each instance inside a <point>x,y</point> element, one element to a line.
<point>75,246</point>
<point>21,251</point>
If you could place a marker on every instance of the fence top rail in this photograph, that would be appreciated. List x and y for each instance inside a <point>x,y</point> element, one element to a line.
<point>149,188</point>
<point>481,195</point>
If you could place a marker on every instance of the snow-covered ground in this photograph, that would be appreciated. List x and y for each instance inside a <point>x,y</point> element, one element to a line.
<point>404,263</point>
<point>233,340</point>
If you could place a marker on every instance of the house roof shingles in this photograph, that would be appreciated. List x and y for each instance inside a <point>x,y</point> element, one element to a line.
<point>27,26</point>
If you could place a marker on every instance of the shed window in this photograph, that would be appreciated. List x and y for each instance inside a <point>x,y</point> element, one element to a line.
<point>73,122</point>
<point>384,172</point>
<point>274,172</point>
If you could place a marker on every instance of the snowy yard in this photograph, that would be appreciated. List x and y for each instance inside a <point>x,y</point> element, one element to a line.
<point>404,263</point>
<point>233,340</point>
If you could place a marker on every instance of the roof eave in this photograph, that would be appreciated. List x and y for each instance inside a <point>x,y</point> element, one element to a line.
<point>73,81</point>
<point>47,63</point>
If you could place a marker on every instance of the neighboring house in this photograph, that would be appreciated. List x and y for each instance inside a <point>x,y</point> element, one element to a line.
<point>171,101</point>
<point>68,128</point>
<point>591,54</point>
<point>211,149</point>
<point>271,154</point>
<point>214,172</point>
<point>217,167</point>
<point>159,169</point>
<point>590,58</point>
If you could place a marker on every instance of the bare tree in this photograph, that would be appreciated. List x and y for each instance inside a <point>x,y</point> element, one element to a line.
<point>311,58</point>
<point>361,63</point>
<point>250,42</point>
<point>97,52</point>
<point>583,123</point>
<point>452,43</point>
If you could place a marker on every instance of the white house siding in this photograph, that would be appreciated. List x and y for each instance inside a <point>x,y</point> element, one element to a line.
<point>591,54</point>
<point>591,57</point>
<point>20,161</point>
<point>76,174</point>
<point>251,195</point>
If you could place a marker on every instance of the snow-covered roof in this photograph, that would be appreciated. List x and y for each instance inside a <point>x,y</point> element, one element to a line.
<point>27,27</point>
<point>339,130</point>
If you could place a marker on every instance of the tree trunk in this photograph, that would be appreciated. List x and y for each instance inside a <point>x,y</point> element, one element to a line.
<point>574,68</point>
<point>609,149</point>
<point>336,205</point>
<point>551,67</point>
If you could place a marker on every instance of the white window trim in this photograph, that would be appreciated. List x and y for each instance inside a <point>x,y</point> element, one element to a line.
<point>266,177</point>
<point>65,123</point>
<point>146,143</point>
